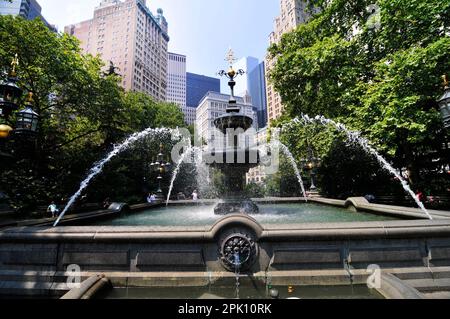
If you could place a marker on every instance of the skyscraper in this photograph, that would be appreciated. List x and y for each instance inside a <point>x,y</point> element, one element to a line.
<point>176,79</point>
<point>128,34</point>
<point>253,83</point>
<point>293,13</point>
<point>28,9</point>
<point>258,91</point>
<point>176,86</point>
<point>198,86</point>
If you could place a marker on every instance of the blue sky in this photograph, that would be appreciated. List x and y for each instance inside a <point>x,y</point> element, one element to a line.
<point>201,29</point>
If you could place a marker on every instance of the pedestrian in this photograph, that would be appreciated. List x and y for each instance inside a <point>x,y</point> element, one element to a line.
<point>420,196</point>
<point>151,199</point>
<point>195,196</point>
<point>53,209</point>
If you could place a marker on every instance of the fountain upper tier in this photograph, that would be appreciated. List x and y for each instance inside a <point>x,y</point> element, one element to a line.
<point>234,121</point>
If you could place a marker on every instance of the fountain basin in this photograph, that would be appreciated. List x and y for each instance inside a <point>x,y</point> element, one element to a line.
<point>289,253</point>
<point>205,214</point>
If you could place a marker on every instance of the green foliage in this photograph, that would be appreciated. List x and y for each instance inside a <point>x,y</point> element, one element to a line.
<point>347,171</point>
<point>382,80</point>
<point>254,190</point>
<point>83,114</point>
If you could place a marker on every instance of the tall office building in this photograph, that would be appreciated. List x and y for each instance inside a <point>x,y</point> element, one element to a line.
<point>176,86</point>
<point>258,91</point>
<point>293,13</point>
<point>128,34</point>
<point>214,105</point>
<point>176,79</point>
<point>253,83</point>
<point>198,86</point>
<point>28,9</point>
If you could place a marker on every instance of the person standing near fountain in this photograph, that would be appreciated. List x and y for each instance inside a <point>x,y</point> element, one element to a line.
<point>151,198</point>
<point>195,196</point>
<point>53,209</point>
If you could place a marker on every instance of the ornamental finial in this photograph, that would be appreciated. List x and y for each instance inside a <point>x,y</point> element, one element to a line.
<point>14,64</point>
<point>445,81</point>
<point>230,57</point>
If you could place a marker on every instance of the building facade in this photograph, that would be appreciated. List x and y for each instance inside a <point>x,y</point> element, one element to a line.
<point>214,105</point>
<point>190,115</point>
<point>253,83</point>
<point>293,13</point>
<point>28,9</point>
<point>176,79</point>
<point>136,41</point>
<point>197,86</point>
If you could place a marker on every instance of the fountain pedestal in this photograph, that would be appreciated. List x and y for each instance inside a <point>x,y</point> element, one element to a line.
<point>234,165</point>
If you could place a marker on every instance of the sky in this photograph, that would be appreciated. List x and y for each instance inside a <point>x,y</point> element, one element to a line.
<point>203,30</point>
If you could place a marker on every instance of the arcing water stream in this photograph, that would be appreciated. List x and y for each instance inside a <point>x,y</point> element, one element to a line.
<point>356,137</point>
<point>97,169</point>
<point>305,119</point>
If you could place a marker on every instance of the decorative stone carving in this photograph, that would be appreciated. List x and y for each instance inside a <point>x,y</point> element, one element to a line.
<point>238,251</point>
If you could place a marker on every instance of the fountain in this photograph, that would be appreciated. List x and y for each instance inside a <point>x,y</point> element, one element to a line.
<point>235,158</point>
<point>289,243</point>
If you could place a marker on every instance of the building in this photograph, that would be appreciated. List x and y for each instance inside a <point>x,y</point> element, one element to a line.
<point>254,84</point>
<point>293,13</point>
<point>214,105</point>
<point>258,174</point>
<point>176,79</point>
<point>190,115</point>
<point>28,9</point>
<point>128,34</point>
<point>198,86</point>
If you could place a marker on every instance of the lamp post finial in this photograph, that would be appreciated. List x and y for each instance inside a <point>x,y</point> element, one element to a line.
<point>230,57</point>
<point>445,80</point>
<point>14,64</point>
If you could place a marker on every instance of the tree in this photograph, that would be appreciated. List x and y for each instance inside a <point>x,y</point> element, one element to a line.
<point>380,78</point>
<point>347,171</point>
<point>84,112</point>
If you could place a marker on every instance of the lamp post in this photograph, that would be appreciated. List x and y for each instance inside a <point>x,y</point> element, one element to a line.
<point>26,120</point>
<point>10,95</point>
<point>160,167</point>
<point>444,103</point>
<point>311,164</point>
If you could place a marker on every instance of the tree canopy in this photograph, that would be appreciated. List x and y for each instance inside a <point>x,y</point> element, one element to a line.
<point>83,113</point>
<point>375,66</point>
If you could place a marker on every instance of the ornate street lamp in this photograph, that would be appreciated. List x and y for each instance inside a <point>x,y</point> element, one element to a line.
<point>160,167</point>
<point>10,95</point>
<point>444,103</point>
<point>27,120</point>
<point>312,167</point>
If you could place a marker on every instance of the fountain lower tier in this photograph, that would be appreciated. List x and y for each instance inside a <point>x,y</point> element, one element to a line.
<point>234,165</point>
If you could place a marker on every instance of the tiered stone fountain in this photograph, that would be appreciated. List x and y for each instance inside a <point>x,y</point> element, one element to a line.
<point>236,157</point>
